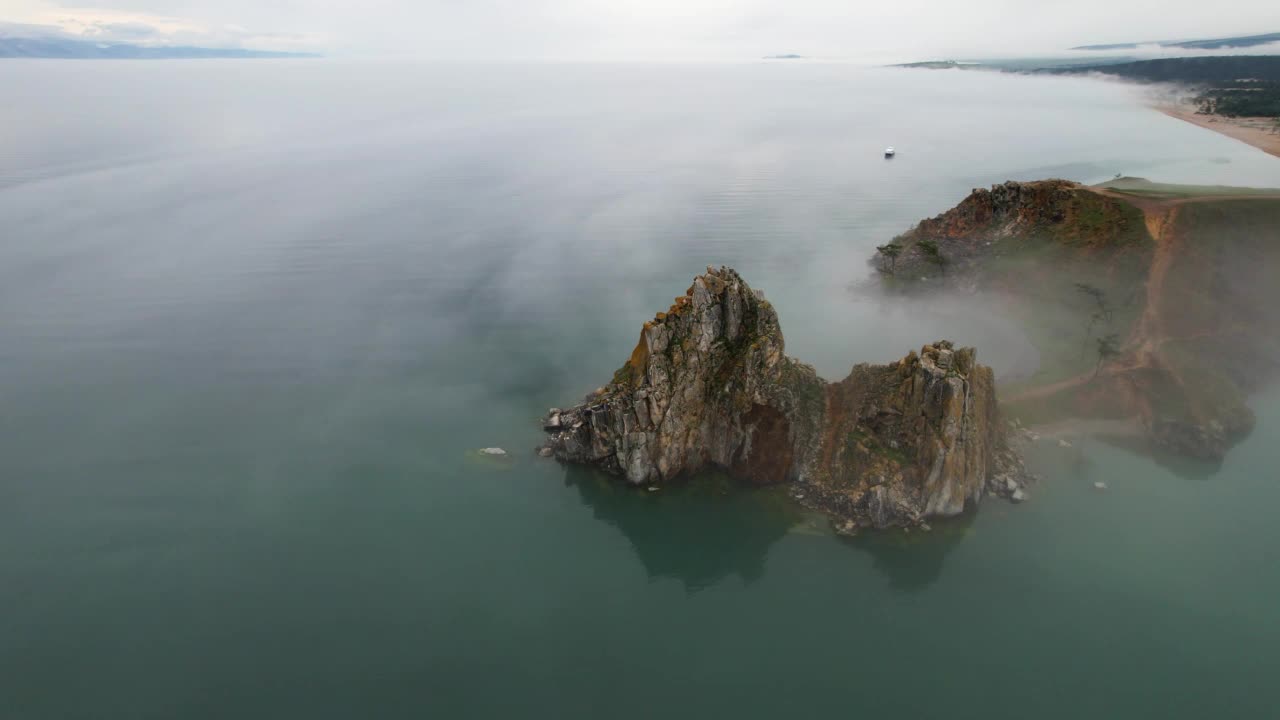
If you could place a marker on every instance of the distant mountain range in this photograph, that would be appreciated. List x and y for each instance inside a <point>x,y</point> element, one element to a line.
<point>52,47</point>
<point>1214,44</point>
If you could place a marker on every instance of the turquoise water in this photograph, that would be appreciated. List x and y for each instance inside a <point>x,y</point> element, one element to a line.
<point>256,318</point>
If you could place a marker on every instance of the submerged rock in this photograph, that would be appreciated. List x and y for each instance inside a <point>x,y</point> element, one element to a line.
<point>491,458</point>
<point>708,384</point>
<point>1200,439</point>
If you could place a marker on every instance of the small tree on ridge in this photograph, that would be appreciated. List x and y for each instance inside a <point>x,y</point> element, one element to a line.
<point>890,253</point>
<point>932,253</point>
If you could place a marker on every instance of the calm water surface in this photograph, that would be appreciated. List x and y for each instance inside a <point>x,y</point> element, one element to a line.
<point>255,317</point>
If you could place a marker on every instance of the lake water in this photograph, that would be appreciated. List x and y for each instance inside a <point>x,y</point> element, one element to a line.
<point>255,317</point>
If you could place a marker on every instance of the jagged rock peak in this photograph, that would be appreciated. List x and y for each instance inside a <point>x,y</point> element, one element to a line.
<point>914,439</point>
<point>708,384</point>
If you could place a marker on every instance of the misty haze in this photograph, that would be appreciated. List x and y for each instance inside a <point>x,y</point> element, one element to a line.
<point>369,385</point>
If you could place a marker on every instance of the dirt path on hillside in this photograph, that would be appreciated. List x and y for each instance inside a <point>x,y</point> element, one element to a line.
<point>1141,350</point>
<point>1149,331</point>
<point>1050,389</point>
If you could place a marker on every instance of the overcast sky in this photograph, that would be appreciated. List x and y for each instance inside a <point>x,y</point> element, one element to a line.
<point>649,29</point>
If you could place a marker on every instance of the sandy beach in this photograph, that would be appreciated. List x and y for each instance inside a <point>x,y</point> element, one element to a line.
<point>1259,132</point>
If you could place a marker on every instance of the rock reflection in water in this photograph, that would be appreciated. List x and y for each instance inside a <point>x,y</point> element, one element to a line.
<point>699,532</point>
<point>912,561</point>
<point>711,528</point>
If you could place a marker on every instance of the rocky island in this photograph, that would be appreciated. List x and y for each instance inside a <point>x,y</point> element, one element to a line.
<point>709,385</point>
<point>1151,306</point>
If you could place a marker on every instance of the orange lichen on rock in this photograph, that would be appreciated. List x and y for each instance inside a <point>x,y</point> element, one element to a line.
<point>640,355</point>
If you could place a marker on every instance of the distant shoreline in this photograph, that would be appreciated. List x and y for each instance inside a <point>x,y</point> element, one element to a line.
<point>1253,131</point>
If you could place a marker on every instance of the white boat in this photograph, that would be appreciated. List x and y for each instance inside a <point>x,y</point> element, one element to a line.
<point>890,152</point>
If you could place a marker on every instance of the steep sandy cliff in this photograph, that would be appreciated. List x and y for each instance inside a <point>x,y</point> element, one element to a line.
<point>709,384</point>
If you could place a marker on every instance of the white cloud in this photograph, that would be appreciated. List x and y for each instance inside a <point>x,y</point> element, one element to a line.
<point>618,29</point>
<point>140,28</point>
<point>137,30</point>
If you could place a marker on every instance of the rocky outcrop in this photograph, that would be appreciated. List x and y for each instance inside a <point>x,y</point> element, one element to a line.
<point>709,384</point>
<point>916,439</point>
<point>1011,217</point>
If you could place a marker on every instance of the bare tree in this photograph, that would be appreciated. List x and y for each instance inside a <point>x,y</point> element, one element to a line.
<point>1108,348</point>
<point>1099,299</point>
<point>1094,319</point>
<point>1102,311</point>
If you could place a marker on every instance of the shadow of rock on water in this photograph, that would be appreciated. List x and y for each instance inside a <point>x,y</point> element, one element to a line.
<point>912,561</point>
<point>699,532</point>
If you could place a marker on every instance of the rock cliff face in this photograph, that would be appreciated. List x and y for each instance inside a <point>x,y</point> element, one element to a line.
<point>916,439</point>
<point>1061,208</point>
<point>708,384</point>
